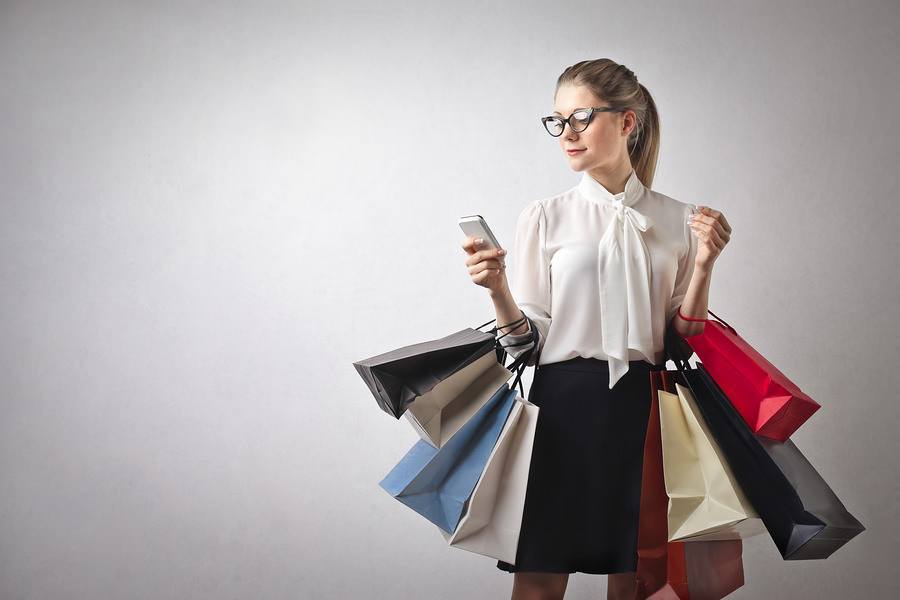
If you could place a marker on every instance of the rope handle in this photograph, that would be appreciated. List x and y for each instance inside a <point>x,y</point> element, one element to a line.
<point>518,365</point>
<point>718,318</point>
<point>512,325</point>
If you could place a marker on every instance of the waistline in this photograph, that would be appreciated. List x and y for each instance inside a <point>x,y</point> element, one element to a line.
<point>599,365</point>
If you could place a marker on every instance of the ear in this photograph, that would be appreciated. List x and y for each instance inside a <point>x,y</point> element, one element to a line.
<point>629,122</point>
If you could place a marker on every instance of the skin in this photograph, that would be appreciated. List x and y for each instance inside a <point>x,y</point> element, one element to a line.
<point>606,159</point>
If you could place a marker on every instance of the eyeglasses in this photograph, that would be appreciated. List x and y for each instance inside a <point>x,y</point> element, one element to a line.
<point>578,121</point>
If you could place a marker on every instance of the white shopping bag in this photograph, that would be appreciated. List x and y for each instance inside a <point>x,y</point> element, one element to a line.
<point>493,516</point>
<point>440,413</point>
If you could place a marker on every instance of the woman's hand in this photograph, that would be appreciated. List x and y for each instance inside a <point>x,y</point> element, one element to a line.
<point>486,265</point>
<point>713,232</point>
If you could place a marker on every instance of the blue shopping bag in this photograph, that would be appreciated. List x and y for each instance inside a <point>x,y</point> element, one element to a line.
<point>437,482</point>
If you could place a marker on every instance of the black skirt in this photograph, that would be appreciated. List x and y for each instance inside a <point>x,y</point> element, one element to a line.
<point>584,488</point>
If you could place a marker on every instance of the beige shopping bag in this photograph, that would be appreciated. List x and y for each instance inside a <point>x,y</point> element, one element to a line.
<point>440,413</point>
<point>493,518</point>
<point>705,500</point>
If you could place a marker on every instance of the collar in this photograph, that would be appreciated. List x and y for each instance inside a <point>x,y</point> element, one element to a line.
<point>592,189</point>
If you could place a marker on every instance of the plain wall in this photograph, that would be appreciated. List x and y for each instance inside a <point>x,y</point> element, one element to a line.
<point>211,209</point>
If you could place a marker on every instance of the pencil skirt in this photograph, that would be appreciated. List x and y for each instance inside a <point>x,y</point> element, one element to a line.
<point>583,494</point>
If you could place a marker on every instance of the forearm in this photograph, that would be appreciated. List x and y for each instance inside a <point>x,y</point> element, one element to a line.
<point>508,311</point>
<point>695,304</point>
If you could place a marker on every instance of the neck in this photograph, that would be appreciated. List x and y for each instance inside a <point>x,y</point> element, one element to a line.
<point>613,179</point>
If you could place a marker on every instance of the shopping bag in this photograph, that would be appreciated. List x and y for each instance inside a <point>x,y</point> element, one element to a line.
<point>492,519</point>
<point>705,502</point>
<point>398,377</point>
<point>660,562</point>
<point>817,498</point>
<point>439,414</point>
<point>715,568</point>
<point>667,570</point>
<point>712,570</point>
<point>770,403</point>
<point>437,482</point>
<point>802,514</point>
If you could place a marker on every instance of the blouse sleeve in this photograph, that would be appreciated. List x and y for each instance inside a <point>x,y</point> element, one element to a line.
<point>531,281</point>
<point>685,267</point>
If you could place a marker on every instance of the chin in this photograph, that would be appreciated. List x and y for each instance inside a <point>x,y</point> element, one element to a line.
<point>578,164</point>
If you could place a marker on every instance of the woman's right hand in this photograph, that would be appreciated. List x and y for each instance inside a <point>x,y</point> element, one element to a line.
<point>487,266</point>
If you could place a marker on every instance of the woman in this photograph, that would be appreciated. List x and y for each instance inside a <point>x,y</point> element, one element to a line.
<point>600,271</point>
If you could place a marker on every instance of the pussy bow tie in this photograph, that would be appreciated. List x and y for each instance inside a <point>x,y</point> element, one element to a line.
<point>625,277</point>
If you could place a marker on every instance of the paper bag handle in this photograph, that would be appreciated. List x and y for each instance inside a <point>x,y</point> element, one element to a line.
<point>718,318</point>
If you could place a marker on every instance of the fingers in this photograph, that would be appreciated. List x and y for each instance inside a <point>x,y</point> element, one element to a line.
<point>712,219</point>
<point>489,253</point>
<point>485,276</point>
<point>707,233</point>
<point>469,244</point>
<point>720,217</point>
<point>711,232</point>
<point>485,265</point>
<point>716,216</point>
<point>472,244</point>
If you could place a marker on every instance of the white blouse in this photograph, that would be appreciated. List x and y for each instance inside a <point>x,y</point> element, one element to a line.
<point>600,275</point>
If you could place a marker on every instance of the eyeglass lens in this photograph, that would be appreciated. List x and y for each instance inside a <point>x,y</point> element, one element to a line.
<point>578,122</point>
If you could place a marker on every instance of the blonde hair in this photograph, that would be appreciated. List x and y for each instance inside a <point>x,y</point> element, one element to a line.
<point>618,86</point>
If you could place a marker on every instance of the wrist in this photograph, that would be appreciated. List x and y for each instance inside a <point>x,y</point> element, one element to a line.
<point>499,292</point>
<point>702,268</point>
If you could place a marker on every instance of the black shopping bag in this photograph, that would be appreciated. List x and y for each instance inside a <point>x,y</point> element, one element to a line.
<point>804,517</point>
<point>396,378</point>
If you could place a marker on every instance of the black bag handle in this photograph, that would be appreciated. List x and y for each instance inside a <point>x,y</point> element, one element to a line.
<point>720,320</point>
<point>681,360</point>
<point>518,365</point>
<point>512,327</point>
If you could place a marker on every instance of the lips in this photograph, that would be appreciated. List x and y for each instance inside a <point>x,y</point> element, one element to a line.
<point>574,150</point>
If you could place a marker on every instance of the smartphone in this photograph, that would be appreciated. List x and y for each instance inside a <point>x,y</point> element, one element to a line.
<point>476,225</point>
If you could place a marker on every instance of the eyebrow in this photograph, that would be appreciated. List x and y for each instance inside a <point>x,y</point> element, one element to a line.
<point>573,110</point>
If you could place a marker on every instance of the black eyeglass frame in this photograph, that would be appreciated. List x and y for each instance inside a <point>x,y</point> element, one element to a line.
<point>591,110</point>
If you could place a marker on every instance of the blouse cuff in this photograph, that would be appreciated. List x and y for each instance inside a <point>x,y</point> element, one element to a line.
<point>517,344</point>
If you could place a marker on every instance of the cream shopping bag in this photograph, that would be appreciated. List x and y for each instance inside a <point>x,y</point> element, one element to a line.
<point>705,500</point>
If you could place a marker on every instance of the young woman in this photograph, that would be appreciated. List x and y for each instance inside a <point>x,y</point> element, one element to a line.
<point>601,270</point>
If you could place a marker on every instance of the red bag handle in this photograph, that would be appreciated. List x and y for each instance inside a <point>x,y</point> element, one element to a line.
<point>718,318</point>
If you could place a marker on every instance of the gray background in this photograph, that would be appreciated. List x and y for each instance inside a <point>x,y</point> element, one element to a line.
<point>209,210</point>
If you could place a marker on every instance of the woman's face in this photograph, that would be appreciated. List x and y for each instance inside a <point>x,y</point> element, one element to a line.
<point>604,143</point>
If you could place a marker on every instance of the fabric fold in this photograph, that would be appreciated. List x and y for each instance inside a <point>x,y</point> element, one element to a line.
<point>623,259</point>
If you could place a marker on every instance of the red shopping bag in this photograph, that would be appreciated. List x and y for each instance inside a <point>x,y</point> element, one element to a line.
<point>771,404</point>
<point>654,551</point>
<point>697,570</point>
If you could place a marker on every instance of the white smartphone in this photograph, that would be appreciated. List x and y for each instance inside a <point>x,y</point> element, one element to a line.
<point>477,226</point>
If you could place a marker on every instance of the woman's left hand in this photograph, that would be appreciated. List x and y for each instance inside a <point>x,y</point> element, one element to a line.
<point>713,232</point>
